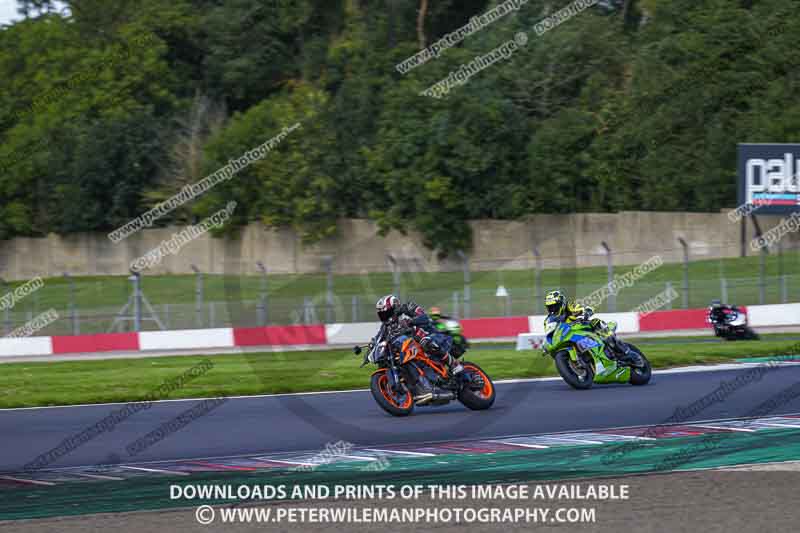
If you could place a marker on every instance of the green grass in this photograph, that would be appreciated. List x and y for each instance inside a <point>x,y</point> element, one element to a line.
<point>122,380</point>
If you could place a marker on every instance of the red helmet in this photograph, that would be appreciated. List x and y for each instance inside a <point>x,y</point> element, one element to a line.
<point>387,307</point>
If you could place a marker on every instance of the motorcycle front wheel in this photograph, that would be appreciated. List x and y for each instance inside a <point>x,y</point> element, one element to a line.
<point>576,376</point>
<point>391,402</point>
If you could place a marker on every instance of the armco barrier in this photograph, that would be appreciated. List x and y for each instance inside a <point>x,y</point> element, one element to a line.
<point>348,334</point>
<point>488,328</point>
<point>674,320</point>
<point>279,336</point>
<point>773,315</point>
<point>107,342</point>
<point>26,346</point>
<point>188,339</point>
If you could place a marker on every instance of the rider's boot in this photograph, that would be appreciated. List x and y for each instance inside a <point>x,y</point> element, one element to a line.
<point>628,356</point>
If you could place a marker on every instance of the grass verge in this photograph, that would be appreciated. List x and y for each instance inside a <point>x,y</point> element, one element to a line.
<point>124,380</point>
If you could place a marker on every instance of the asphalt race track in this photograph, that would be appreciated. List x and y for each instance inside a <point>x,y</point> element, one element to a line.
<point>307,422</point>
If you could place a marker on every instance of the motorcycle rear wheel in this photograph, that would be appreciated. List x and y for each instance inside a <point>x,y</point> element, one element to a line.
<point>477,400</point>
<point>640,375</point>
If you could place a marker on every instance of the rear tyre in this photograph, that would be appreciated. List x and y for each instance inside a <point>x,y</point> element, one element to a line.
<point>576,377</point>
<point>640,375</point>
<point>481,399</point>
<point>392,403</point>
<point>750,335</point>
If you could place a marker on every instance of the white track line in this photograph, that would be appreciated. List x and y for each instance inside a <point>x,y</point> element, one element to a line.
<point>540,446</point>
<point>155,470</point>
<point>29,481</point>
<point>745,430</point>
<point>98,476</point>
<point>268,460</point>
<point>780,425</point>
<point>359,457</point>
<point>417,454</point>
<point>567,439</point>
<point>629,437</point>
<point>679,370</point>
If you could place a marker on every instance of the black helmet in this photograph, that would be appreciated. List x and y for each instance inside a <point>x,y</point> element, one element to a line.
<point>387,307</point>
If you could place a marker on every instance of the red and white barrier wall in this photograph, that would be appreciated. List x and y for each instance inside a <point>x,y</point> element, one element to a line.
<point>361,332</point>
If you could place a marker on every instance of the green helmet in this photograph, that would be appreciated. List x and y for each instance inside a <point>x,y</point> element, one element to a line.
<point>555,302</point>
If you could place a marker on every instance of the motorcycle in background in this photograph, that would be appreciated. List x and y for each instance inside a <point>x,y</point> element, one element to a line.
<point>729,322</point>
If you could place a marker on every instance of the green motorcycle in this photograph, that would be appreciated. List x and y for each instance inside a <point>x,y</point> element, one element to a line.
<point>584,356</point>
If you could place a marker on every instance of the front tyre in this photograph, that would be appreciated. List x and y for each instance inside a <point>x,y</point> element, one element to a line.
<point>640,375</point>
<point>576,376</point>
<point>391,402</point>
<point>473,397</point>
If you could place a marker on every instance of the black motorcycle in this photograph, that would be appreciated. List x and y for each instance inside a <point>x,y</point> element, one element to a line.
<point>730,322</point>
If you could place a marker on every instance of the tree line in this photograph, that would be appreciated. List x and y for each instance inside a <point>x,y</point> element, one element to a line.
<point>108,107</point>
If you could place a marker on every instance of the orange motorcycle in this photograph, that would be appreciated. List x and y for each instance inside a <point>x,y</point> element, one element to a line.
<point>407,377</point>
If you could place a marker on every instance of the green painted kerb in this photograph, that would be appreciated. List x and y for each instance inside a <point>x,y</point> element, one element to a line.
<point>566,462</point>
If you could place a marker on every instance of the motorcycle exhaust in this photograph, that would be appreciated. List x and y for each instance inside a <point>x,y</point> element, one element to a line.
<point>434,397</point>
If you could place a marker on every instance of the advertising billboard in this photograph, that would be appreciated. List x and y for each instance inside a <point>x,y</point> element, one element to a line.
<point>769,177</point>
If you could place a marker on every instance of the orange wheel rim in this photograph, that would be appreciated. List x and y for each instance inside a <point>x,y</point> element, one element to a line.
<point>487,389</point>
<point>383,385</point>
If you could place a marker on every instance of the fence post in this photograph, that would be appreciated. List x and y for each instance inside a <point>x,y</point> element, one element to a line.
<point>327,262</point>
<point>781,274</point>
<point>73,315</point>
<point>308,310</point>
<point>668,289</point>
<point>685,288</point>
<point>137,301</point>
<point>455,304</point>
<point>198,297</point>
<point>7,319</point>
<point>261,306</point>
<point>538,297</point>
<point>612,298</point>
<point>467,283</point>
<point>723,290</point>
<point>395,274</point>
<point>211,314</point>
<point>355,308</point>
<point>762,279</point>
